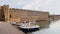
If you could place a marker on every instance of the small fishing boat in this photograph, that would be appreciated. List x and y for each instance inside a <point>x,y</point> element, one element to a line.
<point>28,27</point>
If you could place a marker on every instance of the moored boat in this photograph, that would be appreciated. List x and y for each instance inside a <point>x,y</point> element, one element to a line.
<point>28,27</point>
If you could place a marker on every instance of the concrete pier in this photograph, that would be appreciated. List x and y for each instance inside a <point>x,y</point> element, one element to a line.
<point>6,28</point>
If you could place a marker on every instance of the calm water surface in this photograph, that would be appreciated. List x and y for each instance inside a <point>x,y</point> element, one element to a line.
<point>54,28</point>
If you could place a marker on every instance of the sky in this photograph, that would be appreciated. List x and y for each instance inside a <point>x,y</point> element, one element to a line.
<point>51,6</point>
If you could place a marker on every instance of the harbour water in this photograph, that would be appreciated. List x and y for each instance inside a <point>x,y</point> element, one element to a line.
<point>54,28</point>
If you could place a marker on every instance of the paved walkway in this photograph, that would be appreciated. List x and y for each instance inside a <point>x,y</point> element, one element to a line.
<point>6,28</point>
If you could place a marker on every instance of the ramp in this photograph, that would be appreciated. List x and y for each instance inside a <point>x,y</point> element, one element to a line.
<point>6,28</point>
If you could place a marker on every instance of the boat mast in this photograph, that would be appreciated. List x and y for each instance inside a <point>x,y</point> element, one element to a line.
<point>8,15</point>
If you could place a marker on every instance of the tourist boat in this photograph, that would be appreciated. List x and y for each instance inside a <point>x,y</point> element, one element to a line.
<point>28,27</point>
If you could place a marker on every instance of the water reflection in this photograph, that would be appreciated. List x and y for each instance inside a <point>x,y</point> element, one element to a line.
<point>54,28</point>
<point>43,24</point>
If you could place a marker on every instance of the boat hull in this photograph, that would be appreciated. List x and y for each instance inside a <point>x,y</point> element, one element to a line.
<point>29,29</point>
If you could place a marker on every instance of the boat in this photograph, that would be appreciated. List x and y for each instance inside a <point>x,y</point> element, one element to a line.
<point>28,27</point>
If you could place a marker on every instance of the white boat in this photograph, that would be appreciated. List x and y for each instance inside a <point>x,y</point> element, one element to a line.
<point>28,27</point>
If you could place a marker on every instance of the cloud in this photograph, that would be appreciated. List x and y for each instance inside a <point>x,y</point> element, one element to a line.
<point>51,6</point>
<point>45,5</point>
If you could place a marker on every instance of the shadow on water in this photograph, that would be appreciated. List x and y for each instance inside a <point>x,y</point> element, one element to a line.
<point>43,24</point>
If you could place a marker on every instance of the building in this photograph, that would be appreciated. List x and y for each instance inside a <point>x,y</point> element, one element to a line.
<point>54,17</point>
<point>19,15</point>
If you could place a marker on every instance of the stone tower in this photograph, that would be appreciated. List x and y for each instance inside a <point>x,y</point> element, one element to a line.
<point>6,12</point>
<point>2,16</point>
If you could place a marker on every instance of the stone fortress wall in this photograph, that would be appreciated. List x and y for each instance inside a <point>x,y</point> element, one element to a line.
<point>19,15</point>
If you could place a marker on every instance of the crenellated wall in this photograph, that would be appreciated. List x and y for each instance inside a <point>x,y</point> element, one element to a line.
<point>28,14</point>
<point>19,15</point>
